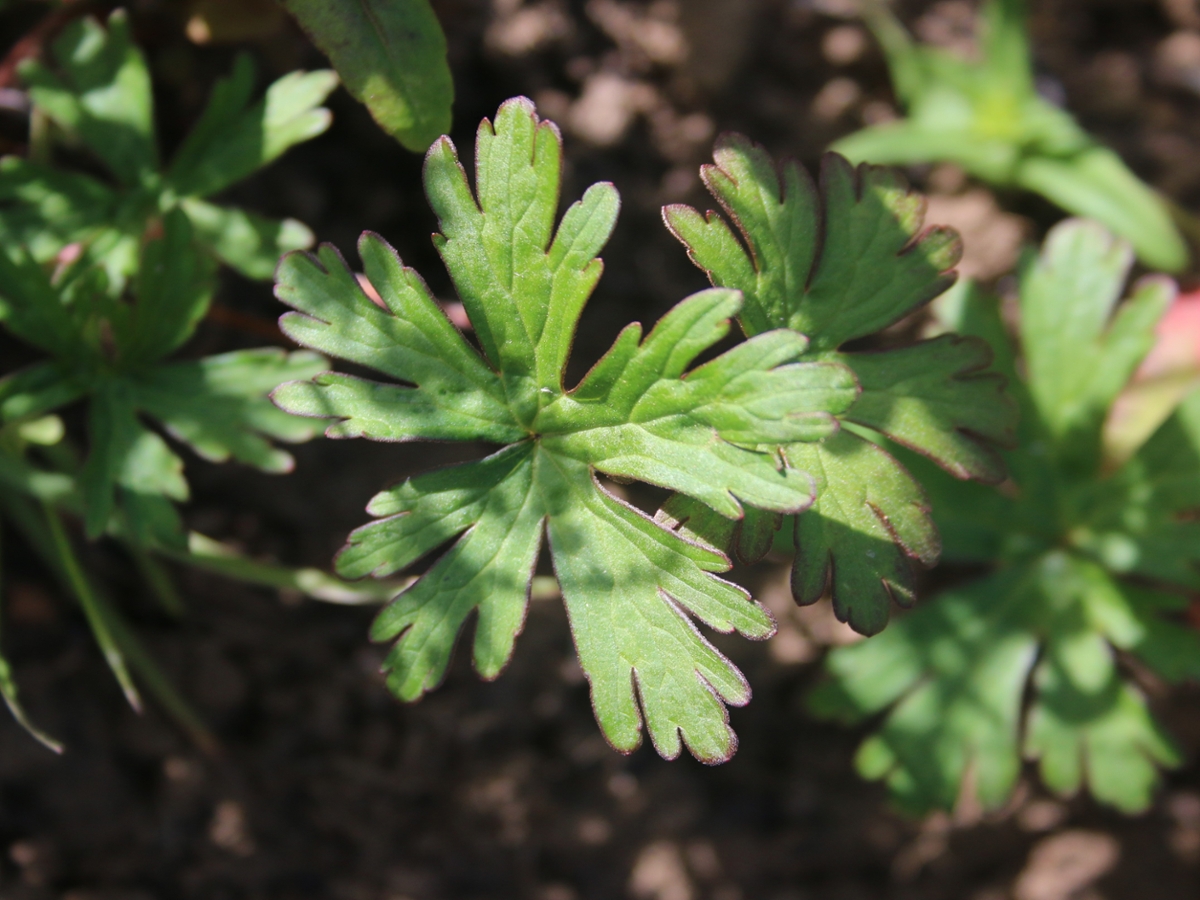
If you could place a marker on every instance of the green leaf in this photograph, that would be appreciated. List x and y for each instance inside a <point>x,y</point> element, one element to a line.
<point>102,96</point>
<point>1142,520</point>
<point>21,480</point>
<point>246,242</point>
<point>838,262</point>
<point>172,294</point>
<point>633,417</point>
<point>632,587</point>
<point>937,398</point>
<point>1089,726</point>
<point>950,675</point>
<point>35,391</point>
<point>986,116</point>
<point>628,596</point>
<point>234,138</point>
<point>457,396</point>
<point>101,92</point>
<point>44,209</point>
<point>1023,660</point>
<point>1006,49</point>
<point>1096,183</point>
<point>1086,725</point>
<point>31,308</point>
<point>111,352</point>
<point>391,55</point>
<point>219,405</point>
<point>870,522</point>
<point>907,142</point>
<point>522,293</point>
<point>124,453</point>
<point>802,263</point>
<point>1078,352</point>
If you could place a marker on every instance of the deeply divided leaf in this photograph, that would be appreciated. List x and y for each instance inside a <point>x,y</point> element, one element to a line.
<point>1025,662</point>
<point>112,352</point>
<point>633,589</point>
<point>839,260</point>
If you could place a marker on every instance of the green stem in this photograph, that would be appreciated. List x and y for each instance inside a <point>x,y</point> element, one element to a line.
<point>205,553</point>
<point>40,531</point>
<point>91,605</point>
<point>8,688</point>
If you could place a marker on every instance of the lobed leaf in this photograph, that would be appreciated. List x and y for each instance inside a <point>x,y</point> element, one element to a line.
<point>835,264</point>
<point>839,261</point>
<point>951,675</point>
<point>36,390</point>
<point>244,241</point>
<point>219,405</point>
<point>1142,520</point>
<point>870,522</point>
<point>457,395</point>
<point>1024,660</point>
<point>986,115</point>
<point>172,293</point>
<point>632,587</point>
<point>31,308</point>
<point>124,455</point>
<point>629,586</point>
<point>99,92</point>
<point>937,398</point>
<point>523,294</point>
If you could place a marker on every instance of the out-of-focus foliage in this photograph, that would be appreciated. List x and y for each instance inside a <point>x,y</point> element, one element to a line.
<point>988,117</point>
<point>1086,570</point>
<point>95,88</point>
<point>110,278</point>
<point>113,351</point>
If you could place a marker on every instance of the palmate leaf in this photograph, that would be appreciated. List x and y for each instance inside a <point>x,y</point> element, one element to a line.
<point>837,262</point>
<point>951,673</point>
<point>631,587</point>
<point>955,671</point>
<point>96,88</point>
<point>113,352</point>
<point>1024,662</point>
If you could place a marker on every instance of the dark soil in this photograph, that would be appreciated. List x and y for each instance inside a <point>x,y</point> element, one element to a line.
<point>325,787</point>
